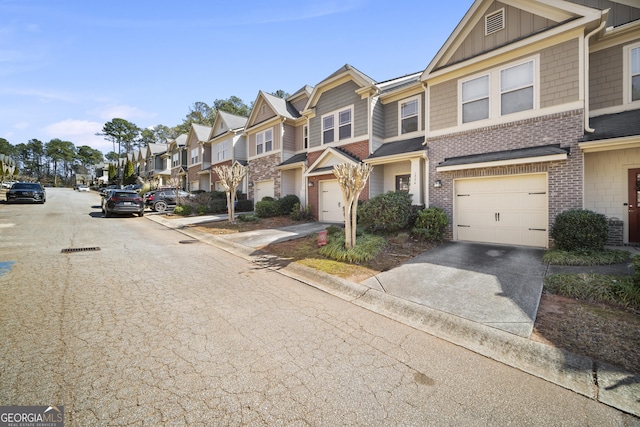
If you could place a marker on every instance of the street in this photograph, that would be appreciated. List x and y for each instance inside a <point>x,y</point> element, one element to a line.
<point>145,327</point>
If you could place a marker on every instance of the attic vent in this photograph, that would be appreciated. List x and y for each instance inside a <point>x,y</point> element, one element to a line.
<point>494,22</point>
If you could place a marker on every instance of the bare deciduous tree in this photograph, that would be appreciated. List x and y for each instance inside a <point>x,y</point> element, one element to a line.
<point>352,179</point>
<point>231,177</point>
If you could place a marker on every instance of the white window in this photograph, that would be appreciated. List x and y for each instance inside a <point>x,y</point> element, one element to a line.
<point>223,150</point>
<point>475,99</point>
<point>264,141</point>
<point>194,156</point>
<point>327,130</point>
<point>409,116</point>
<point>175,159</point>
<point>305,137</point>
<point>516,88</point>
<point>345,128</point>
<point>499,92</point>
<point>632,73</point>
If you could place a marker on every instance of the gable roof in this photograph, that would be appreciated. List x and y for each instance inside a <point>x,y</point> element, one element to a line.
<point>279,106</point>
<point>154,149</point>
<point>202,132</point>
<point>343,74</point>
<point>232,121</point>
<point>560,13</point>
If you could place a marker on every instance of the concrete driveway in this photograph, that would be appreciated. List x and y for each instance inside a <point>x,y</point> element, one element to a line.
<point>499,286</point>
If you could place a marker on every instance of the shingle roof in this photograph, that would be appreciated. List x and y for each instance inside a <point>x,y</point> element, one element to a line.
<point>496,156</point>
<point>398,147</point>
<point>233,121</point>
<point>301,157</point>
<point>202,132</point>
<point>282,108</point>
<point>616,125</point>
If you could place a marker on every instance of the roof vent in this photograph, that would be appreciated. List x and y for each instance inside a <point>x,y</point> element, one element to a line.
<point>494,22</point>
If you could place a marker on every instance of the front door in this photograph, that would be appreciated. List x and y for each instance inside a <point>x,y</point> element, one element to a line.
<point>633,205</point>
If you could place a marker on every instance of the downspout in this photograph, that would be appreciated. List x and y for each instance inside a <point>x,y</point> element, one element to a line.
<point>587,128</point>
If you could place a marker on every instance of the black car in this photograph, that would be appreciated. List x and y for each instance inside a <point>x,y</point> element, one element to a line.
<point>31,192</point>
<point>123,202</point>
<point>162,199</point>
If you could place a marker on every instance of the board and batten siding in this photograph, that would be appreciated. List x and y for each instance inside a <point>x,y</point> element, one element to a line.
<point>335,99</point>
<point>518,24</point>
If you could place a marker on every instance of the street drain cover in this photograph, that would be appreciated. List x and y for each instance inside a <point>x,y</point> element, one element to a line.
<point>188,241</point>
<point>72,250</point>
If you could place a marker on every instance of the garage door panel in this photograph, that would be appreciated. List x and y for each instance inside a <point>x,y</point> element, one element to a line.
<point>509,210</point>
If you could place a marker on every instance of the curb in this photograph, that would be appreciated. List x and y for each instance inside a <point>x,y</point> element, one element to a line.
<point>604,383</point>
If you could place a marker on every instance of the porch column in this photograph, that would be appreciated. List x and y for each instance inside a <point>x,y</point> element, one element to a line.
<point>417,179</point>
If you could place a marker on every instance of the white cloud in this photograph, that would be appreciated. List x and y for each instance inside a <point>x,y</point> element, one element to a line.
<point>80,132</point>
<point>21,125</point>
<point>126,112</point>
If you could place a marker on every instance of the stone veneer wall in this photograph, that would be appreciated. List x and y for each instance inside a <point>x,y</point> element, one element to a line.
<point>263,169</point>
<point>565,178</point>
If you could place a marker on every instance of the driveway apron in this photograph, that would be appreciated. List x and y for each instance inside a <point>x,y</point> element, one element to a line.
<point>498,286</point>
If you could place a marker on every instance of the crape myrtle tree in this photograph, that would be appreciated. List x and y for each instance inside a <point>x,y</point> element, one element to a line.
<point>230,178</point>
<point>352,179</point>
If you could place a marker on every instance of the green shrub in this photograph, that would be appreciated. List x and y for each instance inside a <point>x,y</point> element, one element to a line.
<point>595,287</point>
<point>218,205</point>
<point>244,206</point>
<point>431,225</point>
<point>389,212</point>
<point>367,247</point>
<point>201,210</point>
<point>299,214</point>
<point>184,210</point>
<point>287,203</point>
<point>636,271</point>
<point>247,218</point>
<point>267,207</point>
<point>580,229</point>
<point>218,195</point>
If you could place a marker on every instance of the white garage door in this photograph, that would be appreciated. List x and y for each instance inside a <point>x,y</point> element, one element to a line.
<point>331,202</point>
<point>263,189</point>
<point>510,210</point>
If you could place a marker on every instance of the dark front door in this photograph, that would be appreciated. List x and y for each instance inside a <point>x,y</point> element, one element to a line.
<point>634,205</point>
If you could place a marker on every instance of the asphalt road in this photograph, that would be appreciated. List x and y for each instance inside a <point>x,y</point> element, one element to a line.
<point>153,330</point>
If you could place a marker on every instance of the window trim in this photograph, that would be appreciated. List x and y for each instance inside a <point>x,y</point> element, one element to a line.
<point>305,137</point>
<point>337,126</point>
<point>263,145</point>
<point>495,91</point>
<point>627,97</point>
<point>405,101</point>
<point>195,159</point>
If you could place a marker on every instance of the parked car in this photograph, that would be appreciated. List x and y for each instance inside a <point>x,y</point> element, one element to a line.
<point>31,192</point>
<point>105,195</point>
<point>123,202</point>
<point>162,199</point>
<point>7,184</point>
<point>103,190</point>
<point>82,187</point>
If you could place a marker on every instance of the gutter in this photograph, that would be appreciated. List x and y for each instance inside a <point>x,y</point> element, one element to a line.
<point>587,128</point>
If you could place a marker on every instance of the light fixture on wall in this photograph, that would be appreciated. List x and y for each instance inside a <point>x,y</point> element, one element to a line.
<point>311,184</point>
<point>437,183</point>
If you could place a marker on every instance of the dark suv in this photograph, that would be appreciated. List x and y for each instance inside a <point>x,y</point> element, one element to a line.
<point>162,199</point>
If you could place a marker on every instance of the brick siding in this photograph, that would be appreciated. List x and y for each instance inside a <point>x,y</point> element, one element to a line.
<point>263,169</point>
<point>565,177</point>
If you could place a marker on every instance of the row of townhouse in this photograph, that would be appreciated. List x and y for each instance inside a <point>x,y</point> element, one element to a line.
<point>530,108</point>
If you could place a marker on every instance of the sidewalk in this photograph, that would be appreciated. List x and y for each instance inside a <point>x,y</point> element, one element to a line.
<point>605,383</point>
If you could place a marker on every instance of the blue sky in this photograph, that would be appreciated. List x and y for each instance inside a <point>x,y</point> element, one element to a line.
<point>67,67</point>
